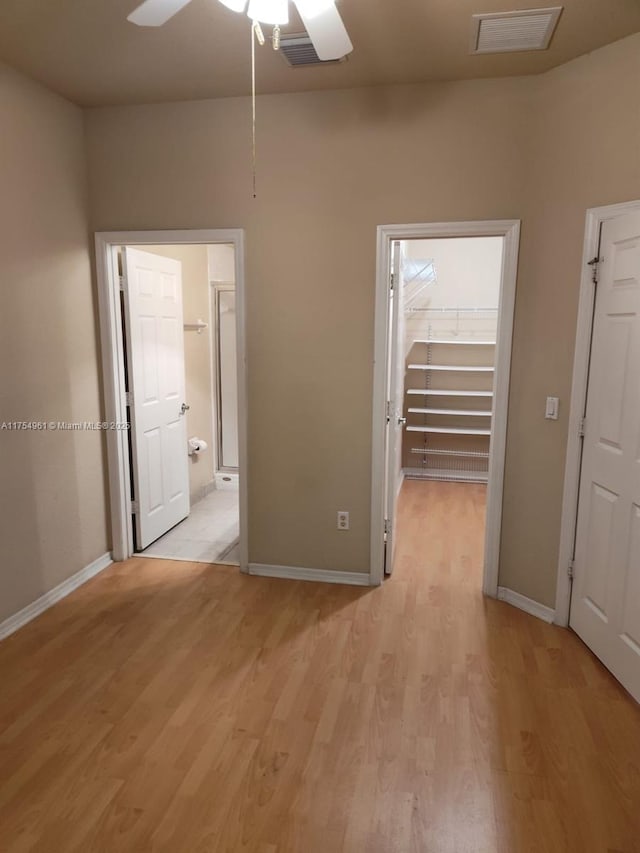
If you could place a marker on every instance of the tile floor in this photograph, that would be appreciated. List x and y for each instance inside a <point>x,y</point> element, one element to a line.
<point>208,535</point>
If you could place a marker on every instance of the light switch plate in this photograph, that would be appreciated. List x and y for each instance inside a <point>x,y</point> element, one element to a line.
<point>551,411</point>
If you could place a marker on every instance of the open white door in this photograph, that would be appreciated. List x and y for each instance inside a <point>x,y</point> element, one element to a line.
<point>155,354</point>
<point>395,404</point>
<point>605,608</point>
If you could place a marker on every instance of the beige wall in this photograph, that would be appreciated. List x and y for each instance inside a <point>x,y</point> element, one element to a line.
<point>331,167</point>
<point>197,359</point>
<point>585,152</point>
<point>52,487</point>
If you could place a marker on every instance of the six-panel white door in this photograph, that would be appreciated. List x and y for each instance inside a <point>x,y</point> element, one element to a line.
<point>605,608</point>
<point>155,355</point>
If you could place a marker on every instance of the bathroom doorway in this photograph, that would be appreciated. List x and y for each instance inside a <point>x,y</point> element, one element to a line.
<point>174,373</point>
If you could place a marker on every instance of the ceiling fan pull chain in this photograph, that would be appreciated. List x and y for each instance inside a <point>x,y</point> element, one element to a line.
<point>253,104</point>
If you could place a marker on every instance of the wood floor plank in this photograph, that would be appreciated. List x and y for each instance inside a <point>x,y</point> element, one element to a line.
<point>170,707</point>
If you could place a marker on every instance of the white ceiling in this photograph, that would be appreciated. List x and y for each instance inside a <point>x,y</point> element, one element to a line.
<point>87,51</point>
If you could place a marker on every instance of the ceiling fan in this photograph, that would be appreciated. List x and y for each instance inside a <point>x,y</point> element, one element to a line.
<point>321,19</point>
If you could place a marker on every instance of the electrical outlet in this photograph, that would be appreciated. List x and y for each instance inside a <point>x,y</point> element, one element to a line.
<point>343,520</point>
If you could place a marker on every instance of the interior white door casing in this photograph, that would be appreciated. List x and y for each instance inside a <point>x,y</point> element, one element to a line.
<point>395,420</point>
<point>509,229</point>
<point>605,607</point>
<point>113,371</point>
<point>155,349</point>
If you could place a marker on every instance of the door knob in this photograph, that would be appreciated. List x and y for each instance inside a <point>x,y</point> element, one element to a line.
<point>184,408</point>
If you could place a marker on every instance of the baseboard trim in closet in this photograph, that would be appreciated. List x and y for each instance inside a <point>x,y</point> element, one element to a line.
<point>547,614</point>
<point>318,575</point>
<point>28,613</point>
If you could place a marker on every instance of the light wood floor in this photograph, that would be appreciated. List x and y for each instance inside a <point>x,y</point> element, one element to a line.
<point>184,708</point>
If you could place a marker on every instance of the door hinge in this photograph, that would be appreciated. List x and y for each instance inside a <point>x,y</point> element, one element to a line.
<point>386,527</point>
<point>594,263</point>
<point>570,568</point>
<point>582,427</point>
<point>127,398</point>
<point>121,283</point>
<point>392,281</point>
<point>388,410</point>
<point>135,509</point>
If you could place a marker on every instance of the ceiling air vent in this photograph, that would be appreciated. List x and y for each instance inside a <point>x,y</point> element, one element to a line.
<point>506,32</point>
<point>298,50</point>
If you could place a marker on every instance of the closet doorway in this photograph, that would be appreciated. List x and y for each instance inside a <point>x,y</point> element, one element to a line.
<point>444,318</point>
<point>172,322</point>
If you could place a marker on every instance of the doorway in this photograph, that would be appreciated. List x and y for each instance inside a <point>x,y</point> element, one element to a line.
<point>181,381</point>
<point>444,313</point>
<point>172,322</point>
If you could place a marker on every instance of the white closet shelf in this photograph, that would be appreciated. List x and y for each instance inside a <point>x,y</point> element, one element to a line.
<point>446,392</point>
<point>455,368</point>
<point>455,343</point>
<point>471,413</point>
<point>467,454</point>
<point>448,359</point>
<point>448,430</point>
<point>446,476</point>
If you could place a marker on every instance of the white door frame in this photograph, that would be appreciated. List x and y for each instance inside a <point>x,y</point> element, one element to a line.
<point>573,464</point>
<point>113,372</point>
<point>510,230</point>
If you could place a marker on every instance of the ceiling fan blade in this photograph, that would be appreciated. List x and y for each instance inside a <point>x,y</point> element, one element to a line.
<point>155,13</point>
<point>327,32</point>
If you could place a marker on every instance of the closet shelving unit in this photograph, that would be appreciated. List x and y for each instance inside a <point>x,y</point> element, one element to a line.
<point>449,402</point>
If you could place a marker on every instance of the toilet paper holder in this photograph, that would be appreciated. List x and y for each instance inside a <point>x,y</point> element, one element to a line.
<point>196,445</point>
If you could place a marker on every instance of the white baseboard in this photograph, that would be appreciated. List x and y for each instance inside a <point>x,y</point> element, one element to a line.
<point>8,626</point>
<point>319,575</point>
<point>526,604</point>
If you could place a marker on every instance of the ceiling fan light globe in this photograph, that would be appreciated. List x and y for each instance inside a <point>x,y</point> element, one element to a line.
<point>269,11</point>
<point>235,5</point>
<point>312,8</point>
